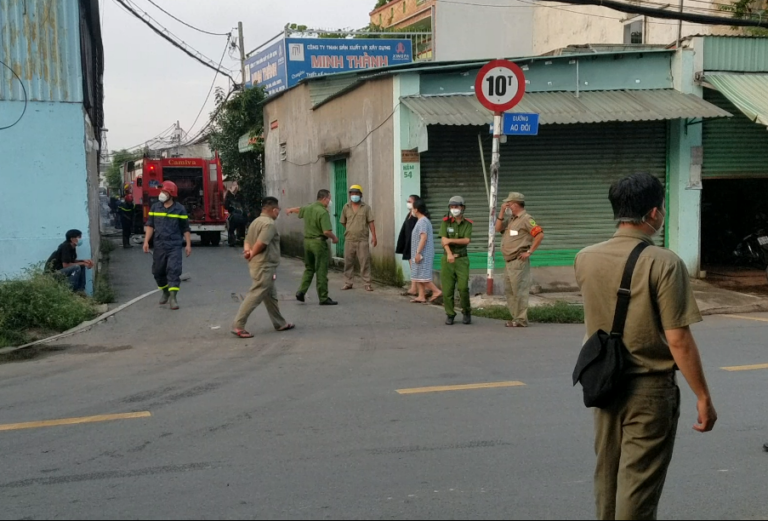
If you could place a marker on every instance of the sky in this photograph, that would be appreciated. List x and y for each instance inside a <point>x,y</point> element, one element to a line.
<point>150,85</point>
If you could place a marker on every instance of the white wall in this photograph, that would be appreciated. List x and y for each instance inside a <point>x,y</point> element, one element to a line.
<point>474,29</point>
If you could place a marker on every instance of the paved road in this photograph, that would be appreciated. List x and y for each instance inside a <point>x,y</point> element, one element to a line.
<point>309,423</point>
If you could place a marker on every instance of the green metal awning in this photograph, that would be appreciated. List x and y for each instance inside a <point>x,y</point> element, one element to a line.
<point>566,108</point>
<point>749,92</point>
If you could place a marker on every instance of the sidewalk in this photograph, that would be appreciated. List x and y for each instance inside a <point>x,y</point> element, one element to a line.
<point>712,300</point>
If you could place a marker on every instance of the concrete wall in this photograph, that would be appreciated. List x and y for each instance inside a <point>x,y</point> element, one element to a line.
<point>557,26</point>
<point>313,138</point>
<point>402,13</point>
<point>478,29</point>
<point>46,185</point>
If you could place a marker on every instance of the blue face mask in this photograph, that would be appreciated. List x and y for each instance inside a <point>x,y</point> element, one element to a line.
<point>79,242</point>
<point>355,198</point>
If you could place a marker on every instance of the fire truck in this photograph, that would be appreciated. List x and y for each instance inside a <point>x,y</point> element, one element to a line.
<point>201,191</point>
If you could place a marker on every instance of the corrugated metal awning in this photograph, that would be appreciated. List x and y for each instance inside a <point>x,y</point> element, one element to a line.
<point>749,92</point>
<point>565,107</point>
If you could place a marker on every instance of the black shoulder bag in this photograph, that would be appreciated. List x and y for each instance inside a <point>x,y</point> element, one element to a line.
<point>602,359</point>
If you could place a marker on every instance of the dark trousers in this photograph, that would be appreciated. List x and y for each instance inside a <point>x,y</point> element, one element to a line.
<point>76,276</point>
<point>127,229</point>
<point>235,229</point>
<point>166,266</point>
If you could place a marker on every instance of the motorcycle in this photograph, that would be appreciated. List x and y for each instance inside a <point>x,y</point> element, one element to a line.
<point>753,250</point>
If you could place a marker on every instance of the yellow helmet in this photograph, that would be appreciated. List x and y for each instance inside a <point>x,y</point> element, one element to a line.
<point>356,188</point>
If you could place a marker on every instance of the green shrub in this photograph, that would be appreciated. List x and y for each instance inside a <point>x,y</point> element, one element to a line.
<point>102,288</point>
<point>41,300</point>
<point>558,313</point>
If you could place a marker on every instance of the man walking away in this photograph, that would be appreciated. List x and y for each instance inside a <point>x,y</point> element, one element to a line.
<point>64,260</point>
<point>456,233</point>
<point>635,434</point>
<point>357,219</point>
<point>317,231</point>
<point>235,206</point>
<point>127,211</point>
<point>168,223</point>
<point>521,236</point>
<point>262,251</point>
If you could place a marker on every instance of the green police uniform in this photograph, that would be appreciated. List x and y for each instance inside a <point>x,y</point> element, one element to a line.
<point>316,254</point>
<point>458,270</point>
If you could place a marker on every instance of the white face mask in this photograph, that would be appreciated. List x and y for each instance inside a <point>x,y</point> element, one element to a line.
<point>163,197</point>
<point>455,212</point>
<point>409,206</point>
<point>330,203</point>
<point>656,230</point>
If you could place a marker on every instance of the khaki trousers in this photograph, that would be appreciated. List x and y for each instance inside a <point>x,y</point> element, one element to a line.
<point>634,439</point>
<point>517,286</point>
<point>361,251</point>
<point>263,290</point>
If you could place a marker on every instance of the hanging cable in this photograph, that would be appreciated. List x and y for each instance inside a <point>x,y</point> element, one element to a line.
<point>216,75</point>
<point>26,98</point>
<point>185,23</point>
<point>183,46</point>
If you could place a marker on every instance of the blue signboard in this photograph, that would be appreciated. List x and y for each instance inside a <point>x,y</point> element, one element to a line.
<point>311,57</point>
<point>267,69</point>
<point>520,124</point>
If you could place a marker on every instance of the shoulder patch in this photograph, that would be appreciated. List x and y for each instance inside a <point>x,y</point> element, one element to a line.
<point>533,223</point>
<point>445,219</point>
<point>470,221</point>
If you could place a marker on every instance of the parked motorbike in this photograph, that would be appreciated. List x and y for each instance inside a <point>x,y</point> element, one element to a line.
<point>753,250</point>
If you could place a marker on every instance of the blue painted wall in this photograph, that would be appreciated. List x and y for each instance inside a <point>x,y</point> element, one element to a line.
<point>44,184</point>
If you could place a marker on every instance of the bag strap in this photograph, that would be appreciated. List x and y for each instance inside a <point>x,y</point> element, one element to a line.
<point>624,294</point>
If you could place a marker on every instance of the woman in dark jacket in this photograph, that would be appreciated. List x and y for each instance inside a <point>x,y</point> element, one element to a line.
<point>404,240</point>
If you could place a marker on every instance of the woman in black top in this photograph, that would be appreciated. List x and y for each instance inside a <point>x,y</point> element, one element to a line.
<point>404,240</point>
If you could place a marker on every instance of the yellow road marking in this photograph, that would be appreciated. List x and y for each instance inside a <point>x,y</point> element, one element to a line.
<point>758,319</point>
<point>745,367</point>
<point>74,421</point>
<point>441,388</point>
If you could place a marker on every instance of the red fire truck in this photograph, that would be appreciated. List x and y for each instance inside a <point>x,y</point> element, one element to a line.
<point>201,191</point>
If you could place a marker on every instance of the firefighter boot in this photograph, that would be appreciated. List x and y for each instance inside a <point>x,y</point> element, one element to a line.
<point>164,298</point>
<point>174,304</point>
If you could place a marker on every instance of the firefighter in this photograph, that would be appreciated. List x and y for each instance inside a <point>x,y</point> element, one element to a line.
<point>127,210</point>
<point>168,224</point>
<point>237,220</point>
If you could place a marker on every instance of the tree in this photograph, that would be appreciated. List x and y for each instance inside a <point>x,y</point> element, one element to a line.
<point>233,117</point>
<point>114,174</point>
<point>749,10</point>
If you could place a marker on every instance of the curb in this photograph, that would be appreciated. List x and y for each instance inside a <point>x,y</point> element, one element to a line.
<point>79,329</point>
<point>758,307</point>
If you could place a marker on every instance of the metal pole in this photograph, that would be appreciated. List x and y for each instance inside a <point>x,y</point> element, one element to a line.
<point>495,165</point>
<point>485,171</point>
<point>242,51</point>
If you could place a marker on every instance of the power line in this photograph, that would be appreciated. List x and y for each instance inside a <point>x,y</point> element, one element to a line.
<point>216,75</point>
<point>212,118</point>
<point>159,136</point>
<point>669,15</point>
<point>183,46</point>
<point>185,23</point>
<point>26,98</point>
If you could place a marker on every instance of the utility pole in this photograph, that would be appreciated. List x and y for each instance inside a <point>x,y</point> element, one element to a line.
<point>242,51</point>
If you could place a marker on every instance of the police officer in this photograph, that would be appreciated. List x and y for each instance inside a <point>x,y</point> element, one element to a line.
<point>317,229</point>
<point>127,210</point>
<point>168,223</point>
<point>456,233</point>
<point>521,237</point>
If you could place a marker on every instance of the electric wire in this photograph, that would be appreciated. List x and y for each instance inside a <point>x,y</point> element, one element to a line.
<point>26,97</point>
<point>188,25</point>
<point>124,3</point>
<point>216,75</point>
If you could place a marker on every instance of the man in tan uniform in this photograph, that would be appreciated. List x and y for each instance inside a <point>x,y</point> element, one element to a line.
<point>357,219</point>
<point>521,236</point>
<point>635,434</point>
<point>262,251</point>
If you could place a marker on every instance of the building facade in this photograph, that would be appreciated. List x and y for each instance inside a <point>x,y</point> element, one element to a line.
<point>418,129</point>
<point>51,105</point>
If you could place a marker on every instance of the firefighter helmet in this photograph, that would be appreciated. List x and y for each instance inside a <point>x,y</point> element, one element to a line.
<point>170,187</point>
<point>356,188</point>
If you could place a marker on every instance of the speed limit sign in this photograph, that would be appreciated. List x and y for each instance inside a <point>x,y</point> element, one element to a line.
<point>500,85</point>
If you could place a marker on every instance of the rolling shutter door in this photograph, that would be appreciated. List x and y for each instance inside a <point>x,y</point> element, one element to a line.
<point>564,172</point>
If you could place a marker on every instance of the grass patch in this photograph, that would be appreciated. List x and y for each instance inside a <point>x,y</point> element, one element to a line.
<point>103,293</point>
<point>39,301</point>
<point>558,313</point>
